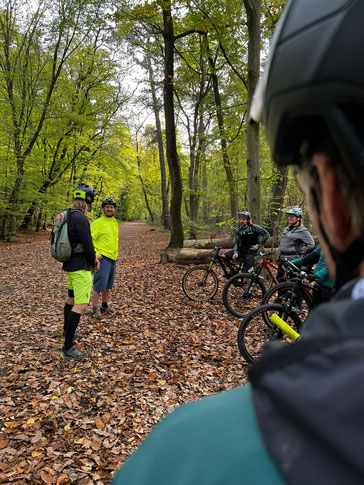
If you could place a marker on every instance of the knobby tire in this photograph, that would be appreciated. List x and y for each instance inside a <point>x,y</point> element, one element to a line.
<point>256,330</point>
<point>235,297</point>
<point>196,288</point>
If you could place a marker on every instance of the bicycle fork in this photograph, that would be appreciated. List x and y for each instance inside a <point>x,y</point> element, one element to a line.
<point>203,281</point>
<point>287,329</point>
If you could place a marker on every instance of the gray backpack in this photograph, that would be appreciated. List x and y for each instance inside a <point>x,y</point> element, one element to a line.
<point>61,248</point>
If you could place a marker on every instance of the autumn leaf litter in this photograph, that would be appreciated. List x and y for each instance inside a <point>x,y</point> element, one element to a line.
<point>77,422</point>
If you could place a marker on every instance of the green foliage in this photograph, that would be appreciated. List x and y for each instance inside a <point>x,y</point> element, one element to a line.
<point>75,119</point>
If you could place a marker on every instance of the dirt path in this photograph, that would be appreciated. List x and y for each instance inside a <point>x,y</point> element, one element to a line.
<point>75,423</point>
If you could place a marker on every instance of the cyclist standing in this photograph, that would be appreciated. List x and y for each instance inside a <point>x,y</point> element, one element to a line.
<point>248,239</point>
<point>78,269</point>
<point>105,236</point>
<point>300,420</point>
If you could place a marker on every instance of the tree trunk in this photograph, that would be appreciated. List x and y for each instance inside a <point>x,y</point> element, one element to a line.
<point>253,9</point>
<point>205,215</point>
<point>176,240</point>
<point>156,108</point>
<point>276,201</point>
<point>143,189</point>
<point>220,121</point>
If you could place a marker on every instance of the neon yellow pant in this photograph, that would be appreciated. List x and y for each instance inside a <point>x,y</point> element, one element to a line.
<point>80,282</point>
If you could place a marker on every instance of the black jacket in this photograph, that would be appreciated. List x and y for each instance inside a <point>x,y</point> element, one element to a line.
<point>79,233</point>
<point>309,398</point>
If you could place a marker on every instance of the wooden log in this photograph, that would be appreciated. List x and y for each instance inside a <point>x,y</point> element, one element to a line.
<point>186,256</point>
<point>208,243</point>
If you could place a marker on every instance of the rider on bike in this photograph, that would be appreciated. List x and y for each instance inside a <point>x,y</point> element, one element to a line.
<point>324,286</point>
<point>294,239</point>
<point>248,239</point>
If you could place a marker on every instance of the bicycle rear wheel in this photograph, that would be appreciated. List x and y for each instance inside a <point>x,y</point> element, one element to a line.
<point>241,292</point>
<point>256,330</point>
<point>283,293</point>
<point>200,284</point>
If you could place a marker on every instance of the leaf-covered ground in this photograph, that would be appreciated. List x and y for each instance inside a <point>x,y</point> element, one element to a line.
<point>77,422</point>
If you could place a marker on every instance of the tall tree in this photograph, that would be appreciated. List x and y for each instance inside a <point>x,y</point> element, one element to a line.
<point>253,10</point>
<point>169,38</point>
<point>222,132</point>
<point>32,59</point>
<point>156,109</point>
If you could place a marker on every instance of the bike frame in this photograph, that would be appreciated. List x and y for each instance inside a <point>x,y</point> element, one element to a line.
<point>264,263</point>
<point>217,258</point>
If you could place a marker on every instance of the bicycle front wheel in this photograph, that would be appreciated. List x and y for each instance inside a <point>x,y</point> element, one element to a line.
<point>284,293</point>
<point>241,292</point>
<point>200,284</point>
<point>256,330</point>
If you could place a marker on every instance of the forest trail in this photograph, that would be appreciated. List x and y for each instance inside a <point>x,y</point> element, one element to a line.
<point>76,422</point>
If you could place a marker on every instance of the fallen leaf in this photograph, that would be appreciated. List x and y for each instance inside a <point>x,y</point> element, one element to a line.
<point>99,423</point>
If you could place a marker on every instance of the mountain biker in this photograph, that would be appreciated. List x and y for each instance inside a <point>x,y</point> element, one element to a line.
<point>105,236</point>
<point>324,286</point>
<point>300,420</point>
<point>248,239</point>
<point>78,269</point>
<point>295,238</point>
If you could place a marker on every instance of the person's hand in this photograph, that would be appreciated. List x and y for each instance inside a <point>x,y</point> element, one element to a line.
<point>235,256</point>
<point>311,277</point>
<point>255,247</point>
<point>96,265</point>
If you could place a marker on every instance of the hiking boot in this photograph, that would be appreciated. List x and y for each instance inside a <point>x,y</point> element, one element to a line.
<point>72,354</point>
<point>96,315</point>
<point>108,310</point>
<point>77,336</point>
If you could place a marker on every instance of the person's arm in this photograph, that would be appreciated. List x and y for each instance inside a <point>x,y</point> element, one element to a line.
<point>84,234</point>
<point>307,239</point>
<point>236,243</point>
<point>263,234</point>
<point>311,258</point>
<point>322,274</point>
<point>95,233</point>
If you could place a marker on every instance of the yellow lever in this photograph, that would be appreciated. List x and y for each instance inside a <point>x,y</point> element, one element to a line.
<point>292,334</point>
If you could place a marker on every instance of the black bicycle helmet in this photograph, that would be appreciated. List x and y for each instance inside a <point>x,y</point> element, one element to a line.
<point>86,192</point>
<point>108,201</point>
<point>244,214</point>
<point>314,81</point>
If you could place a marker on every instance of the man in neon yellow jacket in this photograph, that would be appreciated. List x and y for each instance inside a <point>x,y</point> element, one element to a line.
<point>104,232</point>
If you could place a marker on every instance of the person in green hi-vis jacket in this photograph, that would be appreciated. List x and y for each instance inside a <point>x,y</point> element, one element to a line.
<point>105,236</point>
<point>300,419</point>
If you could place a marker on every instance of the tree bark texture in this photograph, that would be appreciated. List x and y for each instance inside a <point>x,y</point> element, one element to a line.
<point>223,142</point>
<point>156,108</point>
<point>277,200</point>
<point>253,10</point>
<point>176,240</point>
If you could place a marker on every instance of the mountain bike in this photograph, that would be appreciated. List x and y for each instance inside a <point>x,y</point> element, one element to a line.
<point>243,288</point>
<point>200,283</point>
<point>257,329</point>
<point>295,294</point>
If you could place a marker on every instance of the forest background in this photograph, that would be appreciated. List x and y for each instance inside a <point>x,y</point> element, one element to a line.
<point>146,101</point>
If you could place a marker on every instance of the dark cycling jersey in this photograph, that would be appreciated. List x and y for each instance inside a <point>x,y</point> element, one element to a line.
<point>246,237</point>
<point>79,233</point>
